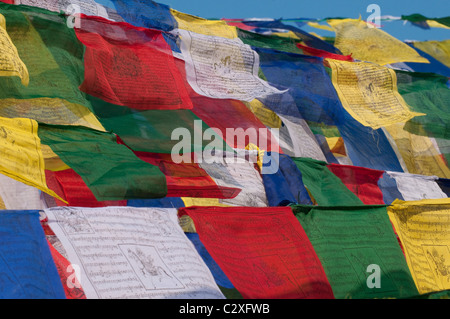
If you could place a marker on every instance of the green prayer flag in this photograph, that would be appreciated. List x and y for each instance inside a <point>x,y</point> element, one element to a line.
<point>110,170</point>
<point>358,251</point>
<point>426,93</point>
<point>269,41</point>
<point>155,131</point>
<point>50,50</point>
<point>419,18</point>
<point>326,188</point>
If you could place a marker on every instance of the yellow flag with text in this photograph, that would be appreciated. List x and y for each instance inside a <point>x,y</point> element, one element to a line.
<point>369,93</point>
<point>22,157</point>
<point>422,227</point>
<point>367,43</point>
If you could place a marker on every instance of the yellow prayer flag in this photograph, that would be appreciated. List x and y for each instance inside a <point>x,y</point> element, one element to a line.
<point>316,25</point>
<point>440,50</point>
<point>218,28</point>
<point>191,201</point>
<point>22,157</point>
<point>423,229</point>
<point>265,115</point>
<point>418,152</point>
<point>186,222</point>
<point>369,93</point>
<point>288,34</point>
<point>51,160</point>
<point>2,204</point>
<point>366,43</point>
<point>50,111</point>
<point>435,24</point>
<point>10,62</point>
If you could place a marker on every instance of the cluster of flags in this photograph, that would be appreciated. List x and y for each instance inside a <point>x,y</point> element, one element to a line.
<point>149,153</point>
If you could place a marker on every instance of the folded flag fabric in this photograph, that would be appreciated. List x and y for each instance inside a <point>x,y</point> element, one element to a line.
<point>263,251</point>
<point>358,250</point>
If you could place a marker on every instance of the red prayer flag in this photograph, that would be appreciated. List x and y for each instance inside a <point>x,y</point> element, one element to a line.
<point>71,285</point>
<point>187,179</point>
<point>76,191</point>
<point>239,24</point>
<point>263,251</point>
<point>222,114</point>
<point>323,54</point>
<point>130,66</point>
<point>363,182</point>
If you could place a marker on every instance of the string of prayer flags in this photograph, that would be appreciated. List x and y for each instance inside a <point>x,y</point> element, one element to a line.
<point>353,243</point>
<point>263,251</point>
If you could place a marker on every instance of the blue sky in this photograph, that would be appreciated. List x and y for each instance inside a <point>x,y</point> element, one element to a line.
<point>322,9</point>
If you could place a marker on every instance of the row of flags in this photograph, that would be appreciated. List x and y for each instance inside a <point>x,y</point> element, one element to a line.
<point>149,153</point>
